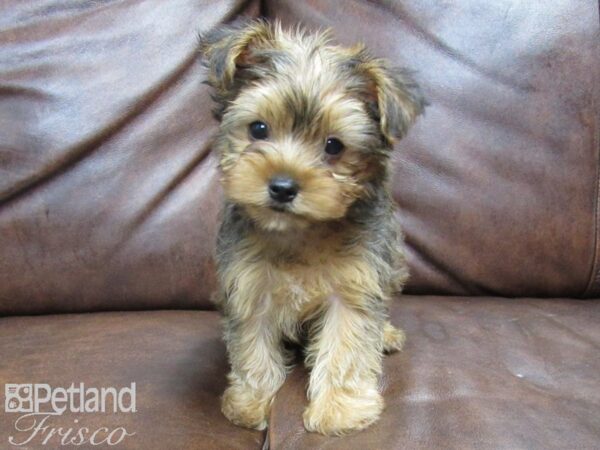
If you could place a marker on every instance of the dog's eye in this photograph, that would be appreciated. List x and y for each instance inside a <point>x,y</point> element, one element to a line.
<point>334,146</point>
<point>259,130</point>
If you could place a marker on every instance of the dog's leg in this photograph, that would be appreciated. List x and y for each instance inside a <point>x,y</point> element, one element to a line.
<point>345,358</point>
<point>258,369</point>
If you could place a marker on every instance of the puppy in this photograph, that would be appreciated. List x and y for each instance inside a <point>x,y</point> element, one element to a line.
<point>308,249</point>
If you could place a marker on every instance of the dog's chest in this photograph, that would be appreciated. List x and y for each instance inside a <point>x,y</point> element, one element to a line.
<point>301,280</point>
<point>296,273</point>
<point>296,285</point>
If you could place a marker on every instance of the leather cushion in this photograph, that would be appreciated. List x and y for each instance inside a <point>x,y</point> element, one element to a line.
<point>108,193</point>
<point>176,358</point>
<point>475,373</point>
<point>497,183</point>
<point>485,373</point>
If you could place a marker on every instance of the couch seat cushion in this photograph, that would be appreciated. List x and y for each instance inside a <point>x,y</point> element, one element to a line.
<point>176,359</point>
<point>485,373</point>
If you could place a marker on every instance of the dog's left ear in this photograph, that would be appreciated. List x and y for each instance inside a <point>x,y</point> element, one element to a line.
<point>230,51</point>
<point>395,97</point>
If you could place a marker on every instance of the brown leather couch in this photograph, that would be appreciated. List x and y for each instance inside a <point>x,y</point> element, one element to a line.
<point>109,198</point>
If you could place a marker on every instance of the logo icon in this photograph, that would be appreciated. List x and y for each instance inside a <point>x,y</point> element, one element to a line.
<point>18,398</point>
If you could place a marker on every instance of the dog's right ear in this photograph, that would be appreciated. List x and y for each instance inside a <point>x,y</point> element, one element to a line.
<point>228,51</point>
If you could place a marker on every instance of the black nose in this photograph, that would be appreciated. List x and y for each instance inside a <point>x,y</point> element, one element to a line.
<point>283,189</point>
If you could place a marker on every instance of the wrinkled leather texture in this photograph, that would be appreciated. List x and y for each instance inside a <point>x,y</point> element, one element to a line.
<point>109,194</point>
<point>176,359</point>
<point>485,373</point>
<point>476,373</point>
<point>497,183</point>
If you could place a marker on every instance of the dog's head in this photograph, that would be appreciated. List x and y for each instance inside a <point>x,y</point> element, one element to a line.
<point>306,126</point>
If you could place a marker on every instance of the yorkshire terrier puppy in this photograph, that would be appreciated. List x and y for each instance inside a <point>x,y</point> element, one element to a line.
<point>308,250</point>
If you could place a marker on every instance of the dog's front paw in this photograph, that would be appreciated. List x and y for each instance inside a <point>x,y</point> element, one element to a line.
<point>244,407</point>
<point>393,338</point>
<point>341,412</point>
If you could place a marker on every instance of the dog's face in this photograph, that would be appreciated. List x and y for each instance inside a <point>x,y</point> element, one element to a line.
<point>305,126</point>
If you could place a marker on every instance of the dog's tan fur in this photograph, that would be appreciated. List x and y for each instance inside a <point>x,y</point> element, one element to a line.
<point>324,269</point>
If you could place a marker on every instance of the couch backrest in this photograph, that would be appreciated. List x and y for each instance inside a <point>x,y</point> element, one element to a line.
<point>109,193</point>
<point>498,183</point>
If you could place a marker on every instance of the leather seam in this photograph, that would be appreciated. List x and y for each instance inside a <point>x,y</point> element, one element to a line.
<point>594,277</point>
